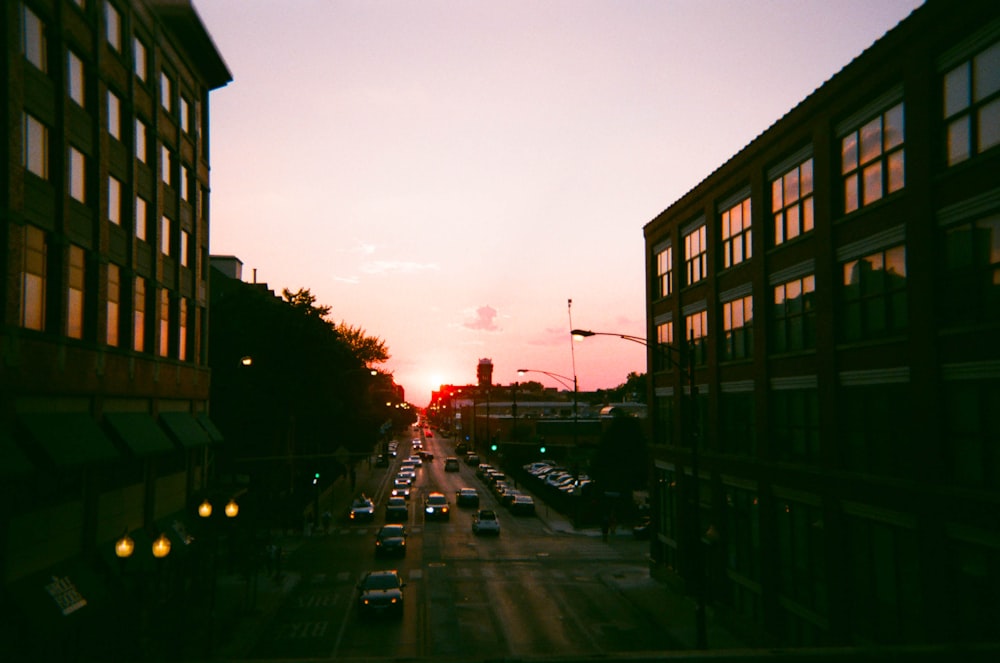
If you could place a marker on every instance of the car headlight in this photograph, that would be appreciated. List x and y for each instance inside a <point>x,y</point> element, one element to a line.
<point>429,509</point>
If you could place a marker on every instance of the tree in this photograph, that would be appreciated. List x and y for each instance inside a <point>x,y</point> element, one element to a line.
<point>370,349</point>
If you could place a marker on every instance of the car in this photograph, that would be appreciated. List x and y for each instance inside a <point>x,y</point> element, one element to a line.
<point>506,498</point>
<point>486,522</point>
<point>467,497</point>
<point>451,464</point>
<point>472,459</point>
<point>461,449</point>
<point>426,456</point>
<point>401,491</point>
<point>428,433</point>
<point>381,592</point>
<point>407,475</point>
<point>391,540</point>
<point>362,508</point>
<point>396,509</point>
<point>523,505</point>
<point>415,460</point>
<point>436,506</point>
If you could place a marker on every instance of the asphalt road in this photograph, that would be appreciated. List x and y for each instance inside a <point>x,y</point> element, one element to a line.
<point>531,592</point>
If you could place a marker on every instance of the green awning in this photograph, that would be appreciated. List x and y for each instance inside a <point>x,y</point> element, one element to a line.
<point>140,433</point>
<point>69,439</point>
<point>13,462</point>
<point>214,433</point>
<point>183,428</point>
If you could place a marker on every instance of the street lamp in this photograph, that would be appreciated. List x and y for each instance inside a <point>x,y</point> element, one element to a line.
<point>701,585</point>
<point>562,380</point>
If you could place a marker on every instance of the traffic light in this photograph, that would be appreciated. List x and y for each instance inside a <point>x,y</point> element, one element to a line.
<point>316,478</point>
<point>494,447</point>
<point>541,449</point>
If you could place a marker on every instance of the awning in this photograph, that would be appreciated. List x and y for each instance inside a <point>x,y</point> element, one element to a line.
<point>214,433</point>
<point>69,439</point>
<point>13,462</point>
<point>183,428</point>
<point>140,433</point>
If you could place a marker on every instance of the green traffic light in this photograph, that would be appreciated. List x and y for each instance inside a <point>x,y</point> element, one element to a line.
<point>493,447</point>
<point>542,450</point>
<point>317,475</point>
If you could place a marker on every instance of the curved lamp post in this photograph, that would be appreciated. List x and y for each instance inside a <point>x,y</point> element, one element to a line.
<point>701,585</point>
<point>562,380</point>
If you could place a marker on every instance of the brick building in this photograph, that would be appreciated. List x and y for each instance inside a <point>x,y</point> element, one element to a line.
<point>833,293</point>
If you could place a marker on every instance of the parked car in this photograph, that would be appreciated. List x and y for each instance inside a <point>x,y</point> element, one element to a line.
<point>391,540</point>
<point>362,509</point>
<point>467,497</point>
<point>523,505</point>
<point>486,522</point>
<point>381,592</point>
<point>451,464</point>
<point>436,507</point>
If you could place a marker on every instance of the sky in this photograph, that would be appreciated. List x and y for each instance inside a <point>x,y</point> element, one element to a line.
<point>448,175</point>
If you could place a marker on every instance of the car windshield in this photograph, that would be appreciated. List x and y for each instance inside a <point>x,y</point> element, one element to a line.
<point>392,530</point>
<point>487,515</point>
<point>382,581</point>
<point>436,499</point>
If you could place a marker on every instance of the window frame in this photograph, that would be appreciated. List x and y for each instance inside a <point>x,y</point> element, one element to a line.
<point>877,296</point>
<point>34,279</point>
<point>737,241</point>
<point>793,217</point>
<point>862,166</point>
<point>737,341</point>
<point>801,319</point>
<point>696,264</point>
<point>971,115</point>
<point>35,157</point>
<point>76,285</point>
<point>76,78</point>
<point>112,318</point>
<point>76,174</point>
<point>34,39</point>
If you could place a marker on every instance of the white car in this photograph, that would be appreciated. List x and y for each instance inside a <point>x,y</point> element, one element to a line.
<point>485,522</point>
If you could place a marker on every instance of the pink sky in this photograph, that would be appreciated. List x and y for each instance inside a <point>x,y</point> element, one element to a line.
<point>447,174</point>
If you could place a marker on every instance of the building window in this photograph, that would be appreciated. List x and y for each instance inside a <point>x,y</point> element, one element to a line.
<point>792,202</point>
<point>875,439</point>
<point>166,92</point>
<point>184,183</point>
<point>801,543</point>
<point>75,78</point>
<point>140,64</point>
<point>33,277</point>
<point>164,323</point>
<point>167,165</point>
<point>972,272</point>
<point>77,175</point>
<point>664,341</point>
<point>665,272</point>
<point>139,315</point>
<point>114,201</point>
<point>794,315</point>
<point>33,40</point>
<point>795,425</point>
<point>74,294</point>
<point>141,218</point>
<point>165,236</point>
<point>972,105</point>
<point>737,329</point>
<point>873,296</point>
<point>185,261</point>
<point>695,255</point>
<point>140,141</point>
<point>114,301</point>
<point>696,333</point>
<point>973,432</point>
<point>36,147</point>
<point>737,431</point>
<point>114,116</point>
<point>185,111</point>
<point>872,159</point>
<point>884,581</point>
<point>113,24</point>
<point>182,315</point>
<point>736,234</point>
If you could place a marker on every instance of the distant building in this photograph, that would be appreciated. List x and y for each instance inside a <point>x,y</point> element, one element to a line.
<point>836,287</point>
<point>104,385</point>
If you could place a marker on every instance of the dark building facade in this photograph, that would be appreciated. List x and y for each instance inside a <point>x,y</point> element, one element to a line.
<point>104,383</point>
<point>827,449</point>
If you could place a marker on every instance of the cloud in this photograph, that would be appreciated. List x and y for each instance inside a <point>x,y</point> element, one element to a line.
<point>485,320</point>
<point>397,267</point>
<point>350,280</point>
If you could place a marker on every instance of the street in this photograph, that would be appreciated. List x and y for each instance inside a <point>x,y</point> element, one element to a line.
<point>532,591</point>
